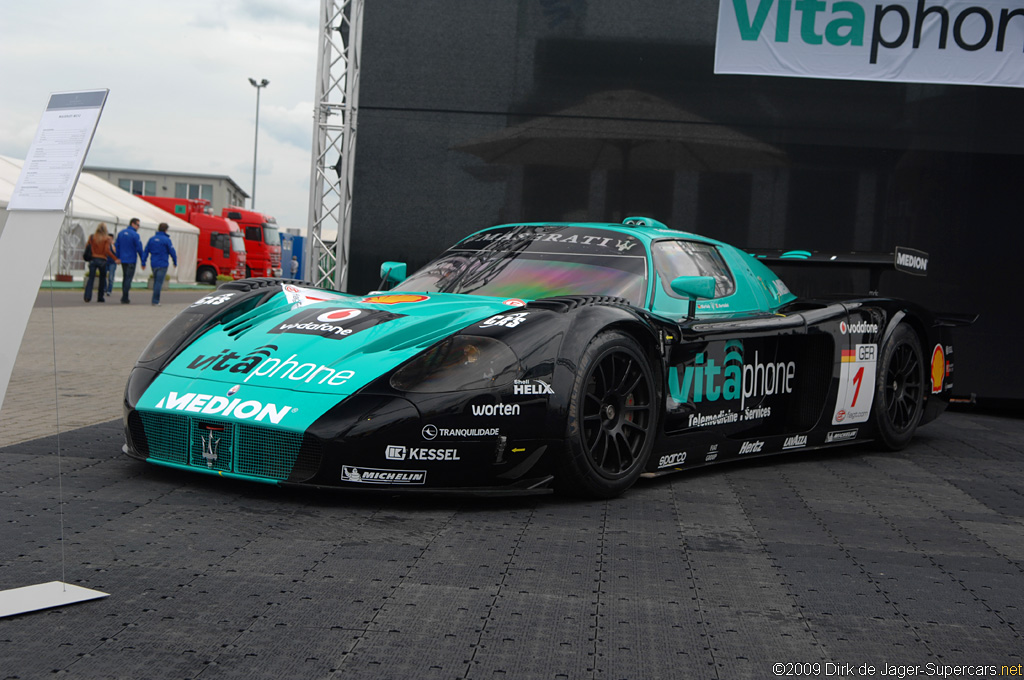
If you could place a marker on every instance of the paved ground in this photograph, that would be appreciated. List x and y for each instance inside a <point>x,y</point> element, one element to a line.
<point>96,347</point>
<point>896,561</point>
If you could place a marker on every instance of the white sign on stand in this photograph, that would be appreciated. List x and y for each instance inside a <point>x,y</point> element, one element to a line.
<point>35,215</point>
<point>57,154</point>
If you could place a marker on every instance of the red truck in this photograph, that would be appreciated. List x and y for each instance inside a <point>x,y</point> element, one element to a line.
<point>221,245</point>
<point>262,240</point>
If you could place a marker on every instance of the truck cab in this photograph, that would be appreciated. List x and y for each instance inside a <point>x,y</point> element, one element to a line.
<point>221,250</point>
<point>262,240</point>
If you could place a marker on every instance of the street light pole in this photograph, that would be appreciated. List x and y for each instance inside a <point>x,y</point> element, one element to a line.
<point>260,85</point>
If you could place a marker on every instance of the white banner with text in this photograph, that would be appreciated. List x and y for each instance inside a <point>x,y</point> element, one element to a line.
<point>979,42</point>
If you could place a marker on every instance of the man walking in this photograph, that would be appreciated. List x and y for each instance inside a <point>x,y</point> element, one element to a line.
<point>159,247</point>
<point>129,247</point>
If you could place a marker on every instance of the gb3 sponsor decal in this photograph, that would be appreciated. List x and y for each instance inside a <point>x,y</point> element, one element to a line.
<point>505,320</point>
<point>333,322</point>
<point>215,300</point>
<point>856,385</point>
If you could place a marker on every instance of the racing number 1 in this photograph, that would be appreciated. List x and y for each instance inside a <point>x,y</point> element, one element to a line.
<point>857,380</point>
<point>858,367</point>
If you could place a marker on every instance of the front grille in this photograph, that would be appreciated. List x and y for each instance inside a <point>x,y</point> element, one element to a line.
<point>224,446</point>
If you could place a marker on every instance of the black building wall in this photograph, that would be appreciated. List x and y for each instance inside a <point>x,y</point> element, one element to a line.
<point>615,110</point>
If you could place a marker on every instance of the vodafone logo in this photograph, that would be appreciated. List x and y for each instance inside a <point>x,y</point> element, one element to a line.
<point>338,315</point>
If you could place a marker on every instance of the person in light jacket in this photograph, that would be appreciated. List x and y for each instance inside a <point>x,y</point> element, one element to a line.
<point>160,248</point>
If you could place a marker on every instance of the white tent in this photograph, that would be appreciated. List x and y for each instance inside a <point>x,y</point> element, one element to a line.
<point>95,200</point>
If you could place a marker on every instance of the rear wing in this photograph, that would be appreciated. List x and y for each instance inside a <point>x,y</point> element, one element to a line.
<point>906,260</point>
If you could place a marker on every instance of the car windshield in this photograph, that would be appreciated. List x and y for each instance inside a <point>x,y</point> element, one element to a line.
<point>533,262</point>
<point>237,242</point>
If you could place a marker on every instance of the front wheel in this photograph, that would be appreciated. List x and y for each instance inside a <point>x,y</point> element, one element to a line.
<point>899,389</point>
<point>611,421</point>
<point>207,275</point>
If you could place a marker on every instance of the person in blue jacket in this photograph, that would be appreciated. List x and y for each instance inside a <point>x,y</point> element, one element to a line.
<point>159,247</point>
<point>128,248</point>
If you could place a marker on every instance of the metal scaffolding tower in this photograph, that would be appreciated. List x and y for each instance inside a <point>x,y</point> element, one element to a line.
<point>334,143</point>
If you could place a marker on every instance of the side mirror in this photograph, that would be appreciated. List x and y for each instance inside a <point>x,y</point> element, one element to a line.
<point>694,287</point>
<point>392,273</point>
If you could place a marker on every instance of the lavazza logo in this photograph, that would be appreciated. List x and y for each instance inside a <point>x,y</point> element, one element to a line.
<point>797,441</point>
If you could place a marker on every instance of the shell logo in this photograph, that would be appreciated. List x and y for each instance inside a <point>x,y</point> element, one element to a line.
<point>938,368</point>
<point>394,299</point>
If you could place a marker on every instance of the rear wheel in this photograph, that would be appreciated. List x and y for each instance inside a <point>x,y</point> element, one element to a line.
<point>899,391</point>
<point>611,420</point>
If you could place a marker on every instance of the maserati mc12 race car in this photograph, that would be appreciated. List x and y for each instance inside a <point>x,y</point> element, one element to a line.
<point>527,358</point>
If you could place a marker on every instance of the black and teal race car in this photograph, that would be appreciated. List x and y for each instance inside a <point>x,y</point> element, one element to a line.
<point>532,357</point>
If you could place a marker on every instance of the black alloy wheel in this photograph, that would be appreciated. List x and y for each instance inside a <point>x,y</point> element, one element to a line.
<point>612,413</point>
<point>900,390</point>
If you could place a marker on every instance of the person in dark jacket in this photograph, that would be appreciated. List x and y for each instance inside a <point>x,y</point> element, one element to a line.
<point>99,245</point>
<point>129,247</point>
<point>159,247</point>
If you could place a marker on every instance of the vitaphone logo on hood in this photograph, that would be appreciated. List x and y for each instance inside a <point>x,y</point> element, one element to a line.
<point>259,363</point>
<point>735,379</point>
<point>334,322</point>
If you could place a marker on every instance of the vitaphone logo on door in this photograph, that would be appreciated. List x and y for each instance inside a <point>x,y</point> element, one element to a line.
<point>731,382</point>
<point>931,41</point>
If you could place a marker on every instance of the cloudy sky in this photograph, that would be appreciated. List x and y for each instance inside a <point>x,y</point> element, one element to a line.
<point>180,98</point>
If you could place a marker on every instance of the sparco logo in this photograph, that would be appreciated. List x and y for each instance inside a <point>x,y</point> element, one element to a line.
<point>840,436</point>
<point>208,404</point>
<point>795,442</point>
<point>374,476</point>
<point>672,459</point>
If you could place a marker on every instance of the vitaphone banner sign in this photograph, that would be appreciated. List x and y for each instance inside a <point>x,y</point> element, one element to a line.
<point>914,41</point>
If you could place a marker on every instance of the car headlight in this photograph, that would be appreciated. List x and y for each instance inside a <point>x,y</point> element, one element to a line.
<point>461,362</point>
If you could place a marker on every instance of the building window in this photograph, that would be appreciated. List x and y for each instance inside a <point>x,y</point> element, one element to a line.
<point>184,190</point>
<point>138,187</point>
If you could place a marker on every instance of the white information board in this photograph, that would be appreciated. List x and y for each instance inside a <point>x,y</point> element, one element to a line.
<point>58,151</point>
